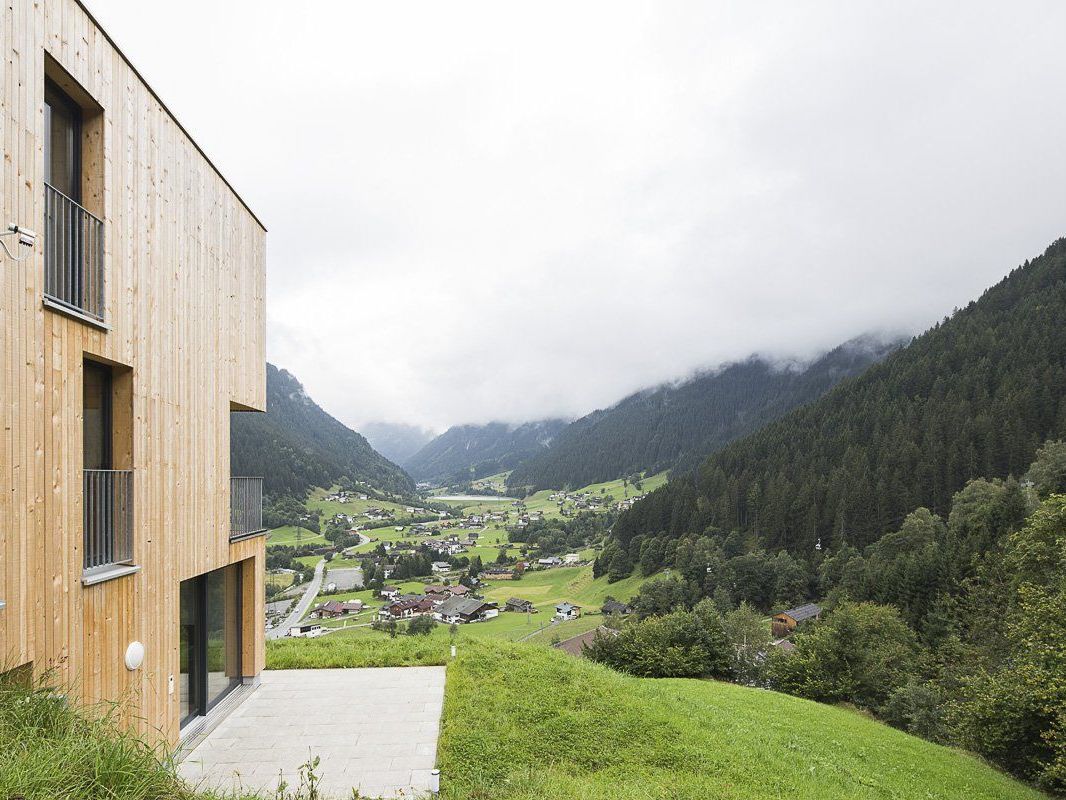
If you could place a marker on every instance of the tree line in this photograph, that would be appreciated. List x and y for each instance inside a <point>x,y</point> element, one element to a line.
<point>676,427</point>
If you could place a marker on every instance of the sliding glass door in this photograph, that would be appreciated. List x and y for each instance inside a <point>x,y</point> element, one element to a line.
<point>209,640</point>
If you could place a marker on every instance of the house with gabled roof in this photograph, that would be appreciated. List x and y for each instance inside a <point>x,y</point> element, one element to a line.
<point>566,611</point>
<point>782,623</point>
<point>462,610</point>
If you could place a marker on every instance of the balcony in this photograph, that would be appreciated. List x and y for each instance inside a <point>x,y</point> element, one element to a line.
<point>73,258</point>
<point>108,524</point>
<point>245,508</point>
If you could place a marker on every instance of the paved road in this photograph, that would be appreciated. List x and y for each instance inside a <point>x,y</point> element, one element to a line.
<point>313,588</point>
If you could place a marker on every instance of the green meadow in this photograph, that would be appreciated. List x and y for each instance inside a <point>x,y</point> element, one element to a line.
<point>523,722</point>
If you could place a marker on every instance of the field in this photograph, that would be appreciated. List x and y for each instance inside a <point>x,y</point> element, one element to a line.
<point>279,580</point>
<point>545,588</point>
<point>523,722</point>
<point>550,586</point>
<point>293,536</point>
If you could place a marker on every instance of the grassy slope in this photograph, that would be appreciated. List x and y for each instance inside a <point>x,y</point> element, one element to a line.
<point>529,722</point>
<point>50,750</point>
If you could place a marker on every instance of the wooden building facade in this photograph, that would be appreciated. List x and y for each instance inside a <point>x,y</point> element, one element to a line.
<point>131,565</point>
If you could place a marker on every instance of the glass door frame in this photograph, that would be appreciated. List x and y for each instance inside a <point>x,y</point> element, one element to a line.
<point>200,705</point>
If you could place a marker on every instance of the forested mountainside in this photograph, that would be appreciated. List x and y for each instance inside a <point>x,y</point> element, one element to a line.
<point>467,452</point>
<point>677,426</point>
<point>396,441</point>
<point>975,395</point>
<point>296,445</point>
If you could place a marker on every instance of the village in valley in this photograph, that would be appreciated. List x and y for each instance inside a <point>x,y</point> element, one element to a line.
<point>458,566</point>
<point>488,565</point>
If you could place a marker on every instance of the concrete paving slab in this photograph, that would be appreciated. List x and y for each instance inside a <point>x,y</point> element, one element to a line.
<point>374,730</point>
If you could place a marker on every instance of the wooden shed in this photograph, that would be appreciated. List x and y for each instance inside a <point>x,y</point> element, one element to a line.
<point>782,623</point>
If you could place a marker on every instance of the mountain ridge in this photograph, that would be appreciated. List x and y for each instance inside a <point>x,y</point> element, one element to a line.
<point>296,445</point>
<point>674,425</point>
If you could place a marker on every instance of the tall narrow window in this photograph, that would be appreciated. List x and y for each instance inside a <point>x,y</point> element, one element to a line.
<point>62,142</point>
<point>73,236</point>
<point>96,427</point>
<point>107,502</point>
<point>209,641</point>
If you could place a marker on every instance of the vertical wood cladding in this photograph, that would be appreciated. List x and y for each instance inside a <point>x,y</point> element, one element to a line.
<point>185,266</point>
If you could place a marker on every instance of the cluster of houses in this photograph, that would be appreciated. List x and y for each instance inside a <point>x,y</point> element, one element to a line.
<point>333,609</point>
<point>525,518</point>
<point>447,604</point>
<point>344,496</point>
<point>379,514</point>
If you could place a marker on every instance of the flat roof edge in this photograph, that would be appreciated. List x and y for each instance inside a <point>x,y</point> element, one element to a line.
<point>170,113</point>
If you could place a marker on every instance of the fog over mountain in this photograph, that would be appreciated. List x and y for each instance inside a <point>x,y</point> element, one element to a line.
<point>522,211</point>
<point>396,441</point>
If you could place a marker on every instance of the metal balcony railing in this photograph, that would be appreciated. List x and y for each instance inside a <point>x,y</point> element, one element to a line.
<point>73,255</point>
<point>108,513</point>
<point>245,507</point>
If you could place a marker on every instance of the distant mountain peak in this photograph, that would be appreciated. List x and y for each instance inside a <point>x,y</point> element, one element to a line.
<point>468,452</point>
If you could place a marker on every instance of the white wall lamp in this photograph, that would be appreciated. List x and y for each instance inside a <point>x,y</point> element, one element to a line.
<point>26,238</point>
<point>134,656</point>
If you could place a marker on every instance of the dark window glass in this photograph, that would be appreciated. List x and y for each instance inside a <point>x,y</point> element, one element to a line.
<point>97,416</point>
<point>189,649</point>
<point>62,142</point>
<point>209,648</point>
<point>223,633</point>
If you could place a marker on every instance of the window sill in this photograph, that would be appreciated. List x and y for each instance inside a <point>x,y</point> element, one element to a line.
<point>70,311</point>
<point>108,573</point>
<point>240,537</point>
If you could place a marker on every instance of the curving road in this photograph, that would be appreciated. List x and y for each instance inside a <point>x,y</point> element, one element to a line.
<point>313,588</point>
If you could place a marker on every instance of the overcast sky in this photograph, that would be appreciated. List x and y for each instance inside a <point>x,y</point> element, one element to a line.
<point>493,210</point>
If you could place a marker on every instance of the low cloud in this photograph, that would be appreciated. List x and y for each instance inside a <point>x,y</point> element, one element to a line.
<point>499,211</point>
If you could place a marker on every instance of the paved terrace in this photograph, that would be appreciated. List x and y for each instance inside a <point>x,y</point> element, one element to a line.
<point>374,729</point>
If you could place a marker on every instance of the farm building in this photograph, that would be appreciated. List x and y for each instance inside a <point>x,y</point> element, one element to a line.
<point>613,606</point>
<point>517,604</point>
<point>782,623</point>
<point>575,645</point>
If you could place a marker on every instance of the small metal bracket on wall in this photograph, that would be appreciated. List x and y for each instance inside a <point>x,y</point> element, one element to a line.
<point>26,238</point>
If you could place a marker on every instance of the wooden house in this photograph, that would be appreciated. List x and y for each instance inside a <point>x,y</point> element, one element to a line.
<point>131,326</point>
<point>332,609</point>
<point>782,623</point>
<point>612,606</point>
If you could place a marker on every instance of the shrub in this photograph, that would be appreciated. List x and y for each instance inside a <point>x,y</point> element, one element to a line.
<point>860,653</point>
<point>421,626</point>
<point>682,644</point>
